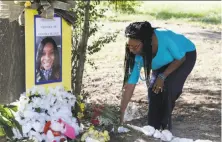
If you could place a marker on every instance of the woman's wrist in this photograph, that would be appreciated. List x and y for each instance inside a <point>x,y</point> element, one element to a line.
<point>162,76</point>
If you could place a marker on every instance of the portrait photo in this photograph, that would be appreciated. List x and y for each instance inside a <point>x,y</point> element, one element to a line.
<point>48,52</point>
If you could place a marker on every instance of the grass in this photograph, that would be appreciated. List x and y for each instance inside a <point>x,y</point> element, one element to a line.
<point>191,11</point>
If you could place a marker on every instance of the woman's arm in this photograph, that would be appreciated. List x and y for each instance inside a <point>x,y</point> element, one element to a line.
<point>130,86</point>
<point>158,85</point>
<point>127,94</point>
<point>173,66</point>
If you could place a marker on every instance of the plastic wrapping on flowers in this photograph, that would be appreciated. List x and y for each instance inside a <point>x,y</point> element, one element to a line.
<point>47,115</point>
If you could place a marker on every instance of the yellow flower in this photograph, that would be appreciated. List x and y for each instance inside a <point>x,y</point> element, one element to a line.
<point>80,97</point>
<point>28,94</point>
<point>82,106</point>
<point>106,135</point>
<point>96,134</point>
<point>84,136</point>
<point>28,4</point>
<point>91,127</point>
<point>80,115</point>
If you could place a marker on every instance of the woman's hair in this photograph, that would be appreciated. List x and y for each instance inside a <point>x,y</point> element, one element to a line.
<point>56,63</point>
<point>142,31</point>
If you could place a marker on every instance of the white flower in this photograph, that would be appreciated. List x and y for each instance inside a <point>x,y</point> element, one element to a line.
<point>59,88</point>
<point>33,90</point>
<point>26,128</point>
<point>76,128</point>
<point>166,135</point>
<point>56,126</point>
<point>30,114</point>
<point>36,102</point>
<point>37,126</point>
<point>41,90</point>
<point>49,135</point>
<point>16,133</point>
<point>35,136</point>
<point>148,130</point>
<point>53,104</point>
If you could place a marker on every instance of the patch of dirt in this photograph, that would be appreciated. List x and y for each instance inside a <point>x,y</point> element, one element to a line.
<point>198,111</point>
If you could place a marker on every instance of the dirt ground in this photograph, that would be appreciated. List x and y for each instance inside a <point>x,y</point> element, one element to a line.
<point>197,114</point>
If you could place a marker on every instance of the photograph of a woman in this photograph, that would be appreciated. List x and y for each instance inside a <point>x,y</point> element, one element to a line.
<point>48,67</point>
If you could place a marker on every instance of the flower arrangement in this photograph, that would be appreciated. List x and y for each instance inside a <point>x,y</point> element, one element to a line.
<point>102,119</point>
<point>94,135</point>
<point>46,115</point>
<point>102,115</point>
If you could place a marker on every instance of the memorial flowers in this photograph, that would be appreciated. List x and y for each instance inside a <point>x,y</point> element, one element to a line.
<point>46,114</point>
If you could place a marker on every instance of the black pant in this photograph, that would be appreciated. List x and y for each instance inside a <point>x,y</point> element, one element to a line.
<point>161,105</point>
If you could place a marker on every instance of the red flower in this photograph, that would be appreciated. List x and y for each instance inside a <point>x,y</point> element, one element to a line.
<point>95,121</point>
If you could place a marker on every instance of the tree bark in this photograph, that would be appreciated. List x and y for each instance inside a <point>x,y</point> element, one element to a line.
<point>12,61</point>
<point>82,50</point>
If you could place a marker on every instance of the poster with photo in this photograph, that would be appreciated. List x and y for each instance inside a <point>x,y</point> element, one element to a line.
<point>48,45</point>
<point>48,50</point>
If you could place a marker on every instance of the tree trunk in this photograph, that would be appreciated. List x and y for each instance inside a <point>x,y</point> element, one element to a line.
<point>82,50</point>
<point>12,61</point>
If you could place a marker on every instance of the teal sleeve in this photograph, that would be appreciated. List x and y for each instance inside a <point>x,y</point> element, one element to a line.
<point>174,50</point>
<point>134,76</point>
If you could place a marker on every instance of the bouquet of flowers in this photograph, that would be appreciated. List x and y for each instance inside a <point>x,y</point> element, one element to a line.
<point>93,135</point>
<point>46,115</point>
<point>102,115</point>
<point>103,118</point>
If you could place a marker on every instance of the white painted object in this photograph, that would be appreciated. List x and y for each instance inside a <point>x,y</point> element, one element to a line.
<point>177,139</point>
<point>202,140</point>
<point>121,129</point>
<point>166,135</point>
<point>157,134</point>
<point>148,130</point>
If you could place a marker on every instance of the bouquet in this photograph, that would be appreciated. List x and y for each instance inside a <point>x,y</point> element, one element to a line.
<point>102,119</point>
<point>102,115</point>
<point>46,115</point>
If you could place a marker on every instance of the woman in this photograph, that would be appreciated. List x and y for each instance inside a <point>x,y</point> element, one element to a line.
<point>170,56</point>
<point>47,61</point>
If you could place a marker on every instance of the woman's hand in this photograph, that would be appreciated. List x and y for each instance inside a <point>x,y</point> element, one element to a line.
<point>126,96</point>
<point>158,85</point>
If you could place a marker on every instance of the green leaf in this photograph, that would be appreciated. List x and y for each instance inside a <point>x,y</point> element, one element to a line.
<point>5,121</point>
<point>6,112</point>
<point>17,125</point>
<point>8,131</point>
<point>2,132</point>
<point>12,107</point>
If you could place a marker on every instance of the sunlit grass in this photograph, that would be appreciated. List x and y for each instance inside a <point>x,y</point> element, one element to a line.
<point>199,12</point>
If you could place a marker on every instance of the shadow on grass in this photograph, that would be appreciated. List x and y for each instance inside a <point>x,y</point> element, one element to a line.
<point>210,35</point>
<point>191,120</point>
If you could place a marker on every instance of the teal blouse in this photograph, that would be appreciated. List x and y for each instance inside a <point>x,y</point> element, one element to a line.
<point>171,46</point>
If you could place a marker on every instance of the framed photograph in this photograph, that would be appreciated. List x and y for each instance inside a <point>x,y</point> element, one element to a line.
<point>48,50</point>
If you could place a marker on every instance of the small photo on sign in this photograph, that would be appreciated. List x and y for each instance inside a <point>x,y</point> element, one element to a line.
<point>48,50</point>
